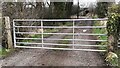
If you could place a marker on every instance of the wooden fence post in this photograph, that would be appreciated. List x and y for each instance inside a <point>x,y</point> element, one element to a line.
<point>8,32</point>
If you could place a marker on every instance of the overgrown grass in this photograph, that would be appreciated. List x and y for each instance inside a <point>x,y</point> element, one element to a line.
<point>4,52</point>
<point>113,58</point>
<point>100,31</point>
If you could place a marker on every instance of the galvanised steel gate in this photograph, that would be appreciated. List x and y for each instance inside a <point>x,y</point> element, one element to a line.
<point>46,35</point>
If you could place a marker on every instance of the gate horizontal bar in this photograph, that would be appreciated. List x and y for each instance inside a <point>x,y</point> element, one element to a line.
<point>78,40</point>
<point>64,39</point>
<point>61,26</point>
<point>98,19</point>
<point>60,44</point>
<point>60,33</point>
<point>30,38</point>
<point>92,50</point>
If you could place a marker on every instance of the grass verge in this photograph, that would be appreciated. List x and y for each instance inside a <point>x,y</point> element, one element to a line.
<point>100,31</point>
<point>5,52</point>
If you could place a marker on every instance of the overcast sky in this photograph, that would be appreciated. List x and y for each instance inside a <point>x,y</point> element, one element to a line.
<point>84,1</point>
<point>75,1</point>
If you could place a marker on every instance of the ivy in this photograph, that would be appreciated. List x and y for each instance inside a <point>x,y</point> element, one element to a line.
<point>113,28</point>
<point>113,25</point>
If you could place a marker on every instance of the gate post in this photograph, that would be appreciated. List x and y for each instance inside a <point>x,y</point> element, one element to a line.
<point>7,33</point>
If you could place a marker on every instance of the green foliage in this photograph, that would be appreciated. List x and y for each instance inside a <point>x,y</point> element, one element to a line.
<point>26,40</point>
<point>113,28</point>
<point>112,58</point>
<point>4,52</point>
<point>59,10</point>
<point>100,31</point>
<point>113,25</point>
<point>114,8</point>
<point>68,9</point>
<point>101,9</point>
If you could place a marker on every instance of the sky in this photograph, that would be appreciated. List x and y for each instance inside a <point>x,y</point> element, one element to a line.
<point>84,1</point>
<point>94,0</point>
<point>57,0</point>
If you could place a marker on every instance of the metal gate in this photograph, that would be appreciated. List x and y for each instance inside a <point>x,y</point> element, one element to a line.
<point>42,35</point>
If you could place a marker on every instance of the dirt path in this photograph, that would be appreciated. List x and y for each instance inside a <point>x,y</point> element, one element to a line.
<point>41,57</point>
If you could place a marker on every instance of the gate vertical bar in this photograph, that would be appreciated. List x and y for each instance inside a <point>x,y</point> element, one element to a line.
<point>14,33</point>
<point>42,32</point>
<point>73,33</point>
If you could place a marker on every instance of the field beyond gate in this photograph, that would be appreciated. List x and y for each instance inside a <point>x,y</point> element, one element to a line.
<point>63,34</point>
